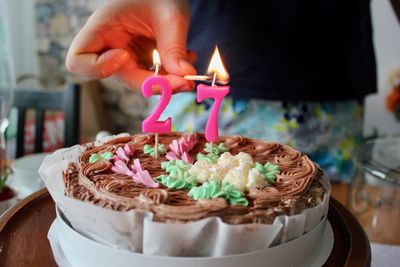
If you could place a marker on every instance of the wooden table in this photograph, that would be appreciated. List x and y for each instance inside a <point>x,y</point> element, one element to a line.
<point>23,232</point>
<point>340,191</point>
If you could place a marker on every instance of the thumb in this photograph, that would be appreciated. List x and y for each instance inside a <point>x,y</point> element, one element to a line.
<point>171,35</point>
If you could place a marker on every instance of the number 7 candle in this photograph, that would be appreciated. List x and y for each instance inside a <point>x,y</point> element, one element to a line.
<point>218,71</point>
<point>151,124</point>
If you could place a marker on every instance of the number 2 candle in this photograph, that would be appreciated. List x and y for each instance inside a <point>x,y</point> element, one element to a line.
<point>151,124</point>
<point>218,71</point>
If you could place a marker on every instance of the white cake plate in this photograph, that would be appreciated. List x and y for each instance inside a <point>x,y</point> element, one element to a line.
<point>71,249</point>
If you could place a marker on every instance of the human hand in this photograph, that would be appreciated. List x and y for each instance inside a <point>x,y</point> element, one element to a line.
<point>119,37</point>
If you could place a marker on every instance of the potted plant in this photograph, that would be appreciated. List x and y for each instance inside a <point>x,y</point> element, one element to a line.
<point>7,194</point>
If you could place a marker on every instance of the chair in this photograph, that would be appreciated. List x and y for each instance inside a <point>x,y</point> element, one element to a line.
<point>67,100</point>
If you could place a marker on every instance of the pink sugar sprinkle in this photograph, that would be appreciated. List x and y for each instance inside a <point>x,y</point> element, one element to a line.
<point>143,176</point>
<point>136,165</point>
<point>180,149</point>
<point>120,167</point>
<point>123,153</point>
<point>136,172</point>
<point>186,158</point>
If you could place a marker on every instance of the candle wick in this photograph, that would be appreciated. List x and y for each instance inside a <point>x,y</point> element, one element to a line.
<point>214,79</point>
<point>157,69</point>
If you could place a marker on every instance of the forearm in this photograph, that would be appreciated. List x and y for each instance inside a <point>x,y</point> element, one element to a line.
<point>396,8</point>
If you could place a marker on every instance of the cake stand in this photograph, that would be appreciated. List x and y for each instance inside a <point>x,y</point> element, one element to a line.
<point>24,229</point>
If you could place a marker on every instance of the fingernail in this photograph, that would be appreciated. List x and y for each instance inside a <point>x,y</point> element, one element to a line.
<point>122,56</point>
<point>119,60</point>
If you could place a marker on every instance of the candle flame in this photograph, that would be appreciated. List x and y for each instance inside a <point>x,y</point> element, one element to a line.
<point>217,67</point>
<point>156,58</point>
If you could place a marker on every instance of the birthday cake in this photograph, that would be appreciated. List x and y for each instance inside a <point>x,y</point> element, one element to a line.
<point>237,179</point>
<point>193,199</point>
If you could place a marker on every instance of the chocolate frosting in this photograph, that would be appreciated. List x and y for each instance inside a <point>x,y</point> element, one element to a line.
<point>298,186</point>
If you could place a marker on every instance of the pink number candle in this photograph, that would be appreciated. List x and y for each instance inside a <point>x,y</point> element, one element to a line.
<point>217,69</point>
<point>217,93</point>
<point>151,124</point>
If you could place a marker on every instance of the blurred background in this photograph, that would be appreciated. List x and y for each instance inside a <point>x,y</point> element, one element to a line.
<point>35,36</point>
<point>34,39</point>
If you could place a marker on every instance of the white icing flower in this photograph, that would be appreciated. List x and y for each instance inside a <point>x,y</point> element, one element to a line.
<point>238,170</point>
<point>244,158</point>
<point>219,171</point>
<point>238,176</point>
<point>255,179</point>
<point>235,178</point>
<point>225,163</point>
<point>201,170</point>
<point>228,160</point>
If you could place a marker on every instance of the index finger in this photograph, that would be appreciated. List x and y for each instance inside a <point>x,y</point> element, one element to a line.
<point>133,76</point>
<point>84,51</point>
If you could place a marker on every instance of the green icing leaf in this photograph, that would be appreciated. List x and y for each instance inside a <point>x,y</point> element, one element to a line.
<point>259,167</point>
<point>239,201</point>
<point>212,156</point>
<point>172,165</point>
<point>216,149</point>
<point>215,189</point>
<point>268,170</point>
<point>147,149</point>
<point>177,183</point>
<point>96,157</point>
<point>234,195</point>
<point>178,175</point>
<point>208,190</point>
